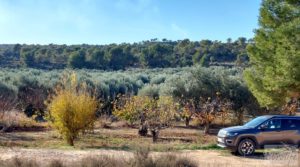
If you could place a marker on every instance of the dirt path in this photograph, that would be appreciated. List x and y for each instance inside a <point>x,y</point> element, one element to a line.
<point>206,158</point>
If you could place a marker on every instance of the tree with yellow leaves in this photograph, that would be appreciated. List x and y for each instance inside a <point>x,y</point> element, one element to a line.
<point>153,113</point>
<point>207,110</point>
<point>188,110</point>
<point>72,108</point>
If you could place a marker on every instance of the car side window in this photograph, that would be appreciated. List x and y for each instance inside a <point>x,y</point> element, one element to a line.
<point>291,124</point>
<point>272,124</point>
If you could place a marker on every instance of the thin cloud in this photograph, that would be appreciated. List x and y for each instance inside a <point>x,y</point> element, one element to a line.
<point>109,21</point>
<point>179,30</point>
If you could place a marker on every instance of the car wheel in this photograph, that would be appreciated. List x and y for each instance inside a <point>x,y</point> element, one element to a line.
<point>246,147</point>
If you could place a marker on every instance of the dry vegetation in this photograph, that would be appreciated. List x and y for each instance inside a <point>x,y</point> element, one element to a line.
<point>179,123</point>
<point>72,109</point>
<point>115,136</point>
<point>140,158</point>
<point>18,121</point>
<point>175,146</point>
<point>143,158</point>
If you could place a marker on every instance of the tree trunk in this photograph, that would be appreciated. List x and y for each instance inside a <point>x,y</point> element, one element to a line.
<point>143,130</point>
<point>155,133</point>
<point>206,128</point>
<point>70,140</point>
<point>187,121</point>
<point>241,117</point>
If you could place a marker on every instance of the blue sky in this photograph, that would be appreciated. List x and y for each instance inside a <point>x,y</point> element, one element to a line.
<point>117,21</point>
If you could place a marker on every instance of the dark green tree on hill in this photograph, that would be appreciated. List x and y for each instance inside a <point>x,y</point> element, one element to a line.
<point>98,59</point>
<point>77,59</point>
<point>158,55</point>
<point>27,57</point>
<point>120,57</point>
<point>274,77</point>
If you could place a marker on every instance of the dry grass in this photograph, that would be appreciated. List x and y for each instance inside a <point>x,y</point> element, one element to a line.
<point>203,158</point>
<point>141,158</point>
<point>18,121</point>
<point>113,138</point>
<point>107,122</point>
<point>289,156</point>
<point>118,136</point>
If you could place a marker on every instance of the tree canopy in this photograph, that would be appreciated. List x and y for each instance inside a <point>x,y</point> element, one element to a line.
<point>274,77</point>
<point>146,54</point>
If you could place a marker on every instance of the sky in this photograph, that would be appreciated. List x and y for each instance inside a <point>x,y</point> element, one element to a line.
<point>118,21</point>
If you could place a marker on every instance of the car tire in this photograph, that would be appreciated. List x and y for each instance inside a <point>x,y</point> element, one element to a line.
<point>246,147</point>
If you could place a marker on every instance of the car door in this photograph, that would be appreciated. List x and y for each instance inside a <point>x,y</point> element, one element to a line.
<point>291,129</point>
<point>271,132</point>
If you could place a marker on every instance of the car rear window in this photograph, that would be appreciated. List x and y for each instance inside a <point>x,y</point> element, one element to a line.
<point>291,124</point>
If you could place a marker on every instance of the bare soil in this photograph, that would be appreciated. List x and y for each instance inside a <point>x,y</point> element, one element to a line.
<point>208,158</point>
<point>45,145</point>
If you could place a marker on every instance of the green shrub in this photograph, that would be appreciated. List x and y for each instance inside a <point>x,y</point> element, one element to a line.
<point>150,91</point>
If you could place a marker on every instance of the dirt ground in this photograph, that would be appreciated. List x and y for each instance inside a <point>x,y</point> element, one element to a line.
<point>206,158</point>
<point>45,145</point>
<point>111,139</point>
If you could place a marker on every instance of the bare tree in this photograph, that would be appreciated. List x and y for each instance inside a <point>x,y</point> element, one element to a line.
<point>32,100</point>
<point>290,108</point>
<point>8,101</point>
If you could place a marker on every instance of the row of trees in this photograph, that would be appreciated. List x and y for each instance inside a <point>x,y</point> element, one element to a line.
<point>146,54</point>
<point>31,86</point>
<point>162,112</point>
<point>72,108</point>
<point>147,96</point>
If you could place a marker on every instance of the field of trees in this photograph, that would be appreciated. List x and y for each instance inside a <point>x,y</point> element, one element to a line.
<point>27,89</point>
<point>164,95</point>
<point>183,108</point>
<point>146,54</point>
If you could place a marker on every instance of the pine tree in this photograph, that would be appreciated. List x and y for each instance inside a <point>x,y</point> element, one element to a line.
<point>274,77</point>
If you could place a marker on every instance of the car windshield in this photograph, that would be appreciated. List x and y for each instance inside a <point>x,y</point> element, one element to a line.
<point>255,122</point>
